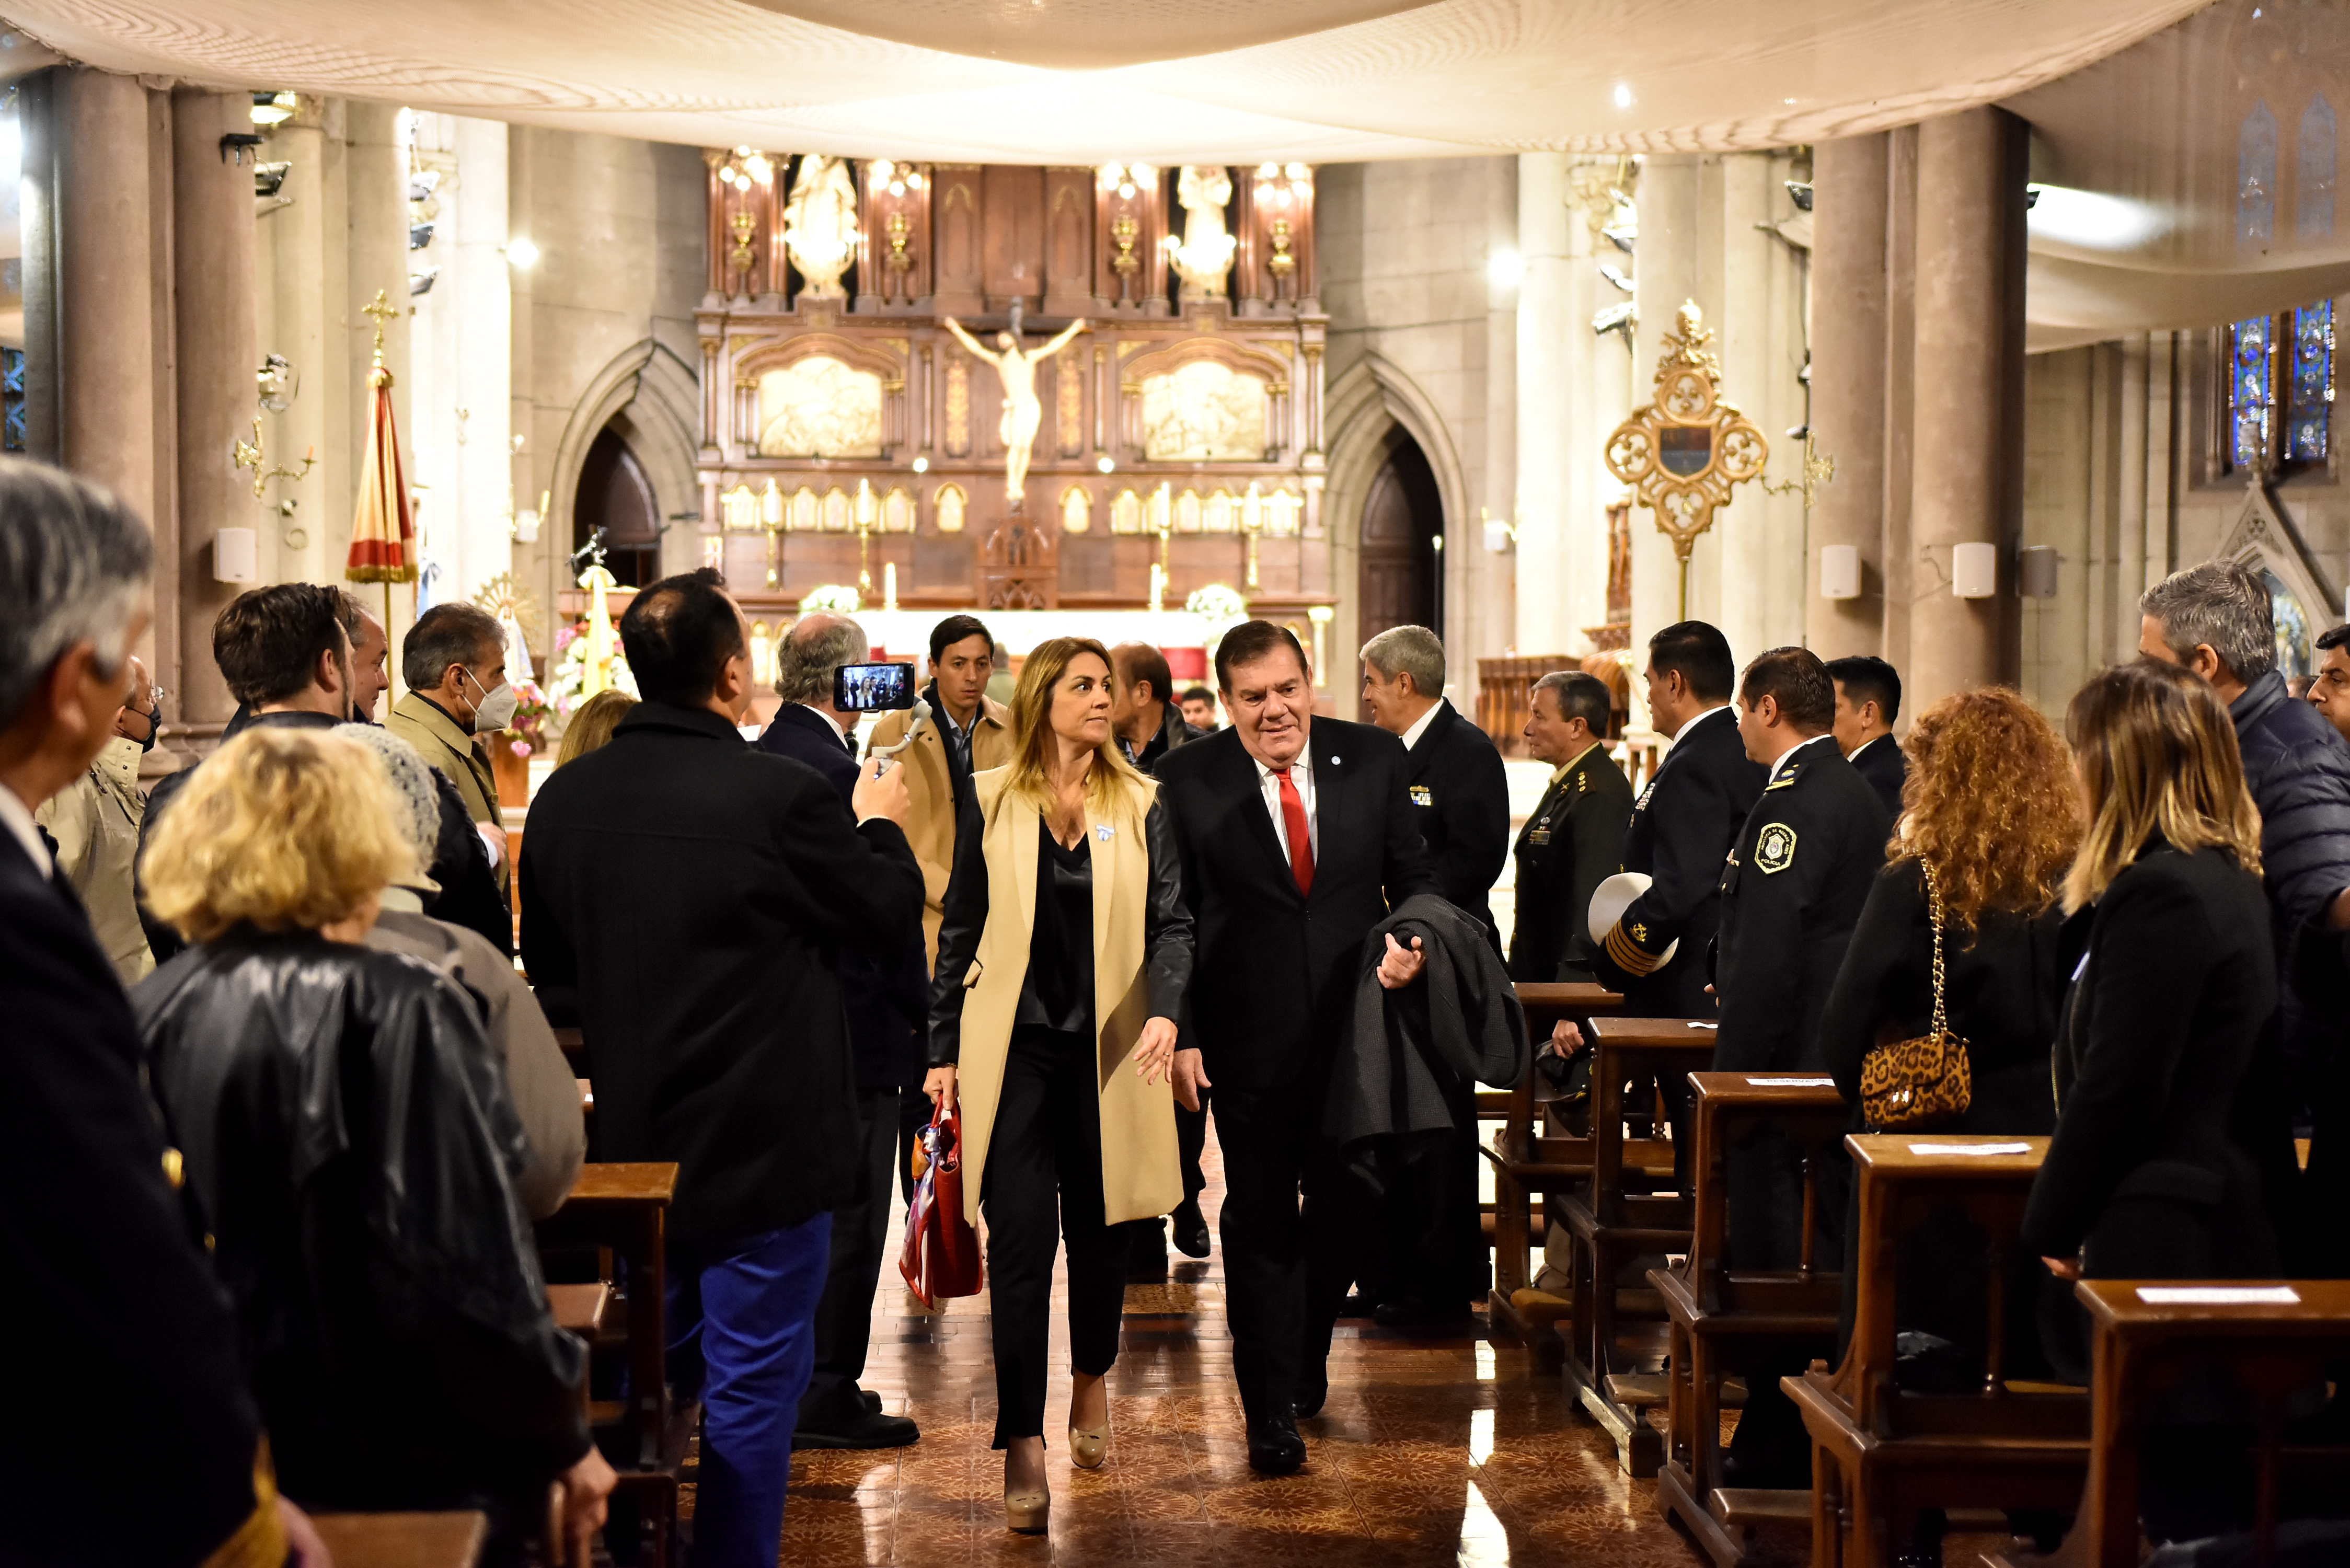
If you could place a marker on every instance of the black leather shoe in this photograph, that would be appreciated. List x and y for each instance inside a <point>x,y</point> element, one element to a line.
<point>872,1401</point>
<point>1191,1230</point>
<point>868,1431</point>
<point>1309,1396</point>
<point>1275,1447</point>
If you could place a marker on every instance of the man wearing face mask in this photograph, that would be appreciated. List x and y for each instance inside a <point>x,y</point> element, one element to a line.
<point>455,660</point>
<point>95,822</point>
<point>285,656</point>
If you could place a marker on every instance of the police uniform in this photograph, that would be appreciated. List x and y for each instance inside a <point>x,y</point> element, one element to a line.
<point>1683,827</point>
<point>1790,893</point>
<point>1572,843</point>
<point>1460,799</point>
<point>1885,766</point>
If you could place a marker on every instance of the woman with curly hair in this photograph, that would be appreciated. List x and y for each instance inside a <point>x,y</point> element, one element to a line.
<point>1990,820</point>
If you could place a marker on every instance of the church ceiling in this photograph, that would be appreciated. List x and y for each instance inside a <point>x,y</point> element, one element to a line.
<point>1079,81</point>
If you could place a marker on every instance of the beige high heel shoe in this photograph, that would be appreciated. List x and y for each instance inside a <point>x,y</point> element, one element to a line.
<point>1027,1512</point>
<point>1087,1450</point>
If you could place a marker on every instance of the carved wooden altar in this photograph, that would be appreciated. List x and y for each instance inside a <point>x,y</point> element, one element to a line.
<point>846,434</point>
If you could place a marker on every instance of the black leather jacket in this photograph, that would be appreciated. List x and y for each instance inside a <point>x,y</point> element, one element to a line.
<point>349,1145</point>
<point>1166,932</point>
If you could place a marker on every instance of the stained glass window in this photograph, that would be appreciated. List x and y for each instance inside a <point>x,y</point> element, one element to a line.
<point>11,399</point>
<point>2250,391</point>
<point>2310,388</point>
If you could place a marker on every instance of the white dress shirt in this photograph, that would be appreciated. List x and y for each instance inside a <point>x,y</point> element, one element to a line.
<point>1790,753</point>
<point>1693,723</point>
<point>1419,725</point>
<point>1301,773</point>
<point>18,818</point>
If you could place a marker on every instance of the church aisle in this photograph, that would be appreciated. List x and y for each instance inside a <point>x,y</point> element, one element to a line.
<point>1430,1451</point>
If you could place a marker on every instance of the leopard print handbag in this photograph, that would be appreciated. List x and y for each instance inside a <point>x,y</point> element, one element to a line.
<point>1923,1082</point>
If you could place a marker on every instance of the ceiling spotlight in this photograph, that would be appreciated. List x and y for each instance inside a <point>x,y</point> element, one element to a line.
<point>273,108</point>
<point>1800,192</point>
<point>1621,236</point>
<point>268,178</point>
<point>1623,95</point>
<point>423,183</point>
<point>421,283</point>
<point>419,235</point>
<point>522,253</point>
<point>1615,276</point>
<point>1621,318</point>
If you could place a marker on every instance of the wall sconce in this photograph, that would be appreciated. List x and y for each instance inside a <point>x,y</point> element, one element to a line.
<point>1839,571</point>
<point>1974,570</point>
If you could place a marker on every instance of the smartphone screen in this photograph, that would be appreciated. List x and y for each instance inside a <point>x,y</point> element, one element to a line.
<point>873,688</point>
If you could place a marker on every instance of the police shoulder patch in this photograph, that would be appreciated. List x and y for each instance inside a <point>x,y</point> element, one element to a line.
<point>1774,849</point>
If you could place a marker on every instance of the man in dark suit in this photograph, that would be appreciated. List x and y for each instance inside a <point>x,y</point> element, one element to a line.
<point>1292,853</point>
<point>1433,1260</point>
<point>1574,839</point>
<point>1868,701</point>
<point>1792,891</point>
<point>885,1001</point>
<point>137,1356</point>
<point>690,889</point>
<point>1150,727</point>
<point>1684,826</point>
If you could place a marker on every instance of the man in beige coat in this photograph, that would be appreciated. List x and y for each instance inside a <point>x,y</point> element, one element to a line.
<point>969,732</point>
<point>454,661</point>
<point>95,821</point>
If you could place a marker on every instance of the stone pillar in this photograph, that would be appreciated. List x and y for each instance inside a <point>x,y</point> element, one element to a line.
<point>484,358</point>
<point>1967,382</point>
<point>1849,370</point>
<point>1545,405</point>
<point>1490,625</point>
<point>1761,535</point>
<point>1666,275</point>
<point>213,271</point>
<point>1593,410</point>
<point>292,249</point>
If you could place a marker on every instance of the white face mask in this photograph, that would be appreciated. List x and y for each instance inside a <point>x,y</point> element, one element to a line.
<point>496,709</point>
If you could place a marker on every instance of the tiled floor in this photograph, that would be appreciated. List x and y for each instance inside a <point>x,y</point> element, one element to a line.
<point>1429,1452</point>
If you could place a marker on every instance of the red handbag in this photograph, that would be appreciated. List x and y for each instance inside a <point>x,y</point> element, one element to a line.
<point>940,1255</point>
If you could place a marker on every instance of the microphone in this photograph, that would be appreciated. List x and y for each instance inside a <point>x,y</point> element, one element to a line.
<point>921,711</point>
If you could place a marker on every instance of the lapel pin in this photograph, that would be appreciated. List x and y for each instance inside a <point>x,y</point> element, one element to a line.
<point>1103,831</point>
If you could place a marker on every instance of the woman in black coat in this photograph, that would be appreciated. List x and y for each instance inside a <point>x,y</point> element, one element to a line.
<point>2174,990</point>
<point>1992,810</point>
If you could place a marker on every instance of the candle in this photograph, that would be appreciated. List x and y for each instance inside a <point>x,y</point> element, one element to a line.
<point>890,585</point>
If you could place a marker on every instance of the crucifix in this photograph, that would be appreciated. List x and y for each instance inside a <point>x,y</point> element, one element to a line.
<point>1023,414</point>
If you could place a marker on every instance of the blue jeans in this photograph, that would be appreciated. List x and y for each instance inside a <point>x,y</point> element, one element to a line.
<point>742,1330</point>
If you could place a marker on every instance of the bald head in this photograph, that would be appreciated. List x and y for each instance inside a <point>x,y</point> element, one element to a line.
<point>816,646</point>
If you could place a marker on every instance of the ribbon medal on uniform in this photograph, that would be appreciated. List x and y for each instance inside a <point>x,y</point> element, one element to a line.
<point>1775,850</point>
<point>1421,795</point>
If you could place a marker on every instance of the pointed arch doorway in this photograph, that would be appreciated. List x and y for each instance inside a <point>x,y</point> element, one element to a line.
<point>1400,581</point>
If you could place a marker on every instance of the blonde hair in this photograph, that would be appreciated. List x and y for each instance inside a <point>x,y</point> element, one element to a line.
<point>2158,755</point>
<point>591,727</point>
<point>1112,781</point>
<point>1991,805</point>
<point>283,830</point>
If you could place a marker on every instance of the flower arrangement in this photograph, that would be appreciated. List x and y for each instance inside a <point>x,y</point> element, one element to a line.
<point>1220,605</point>
<point>838,599</point>
<point>566,684</point>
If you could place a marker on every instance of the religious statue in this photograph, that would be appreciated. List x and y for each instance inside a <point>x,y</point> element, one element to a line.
<point>1205,256</point>
<point>820,224</point>
<point>1023,414</point>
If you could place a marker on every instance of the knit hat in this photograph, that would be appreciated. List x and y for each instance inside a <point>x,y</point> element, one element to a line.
<point>411,777</point>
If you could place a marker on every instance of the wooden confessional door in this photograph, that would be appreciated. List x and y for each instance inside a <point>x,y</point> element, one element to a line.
<point>1402,578</point>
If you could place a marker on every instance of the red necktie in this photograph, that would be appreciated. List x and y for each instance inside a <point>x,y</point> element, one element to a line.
<point>1301,841</point>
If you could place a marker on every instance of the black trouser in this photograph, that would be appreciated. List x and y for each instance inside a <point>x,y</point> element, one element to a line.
<point>860,1234</point>
<point>1044,1165</point>
<point>1431,1238</point>
<point>1281,1260</point>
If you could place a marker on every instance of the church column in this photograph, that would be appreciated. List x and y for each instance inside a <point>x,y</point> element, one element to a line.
<point>1666,275</point>
<point>376,259</point>
<point>1848,370</point>
<point>484,359</point>
<point>217,309</point>
<point>1593,411</point>
<point>1544,405</point>
<point>1489,623</point>
<point>1968,395</point>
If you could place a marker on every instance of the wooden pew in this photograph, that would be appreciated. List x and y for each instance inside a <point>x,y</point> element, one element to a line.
<point>2275,1348</point>
<point>402,1540</point>
<point>1879,1452</point>
<point>1718,1314</point>
<point>1615,1215</point>
<point>1534,1154</point>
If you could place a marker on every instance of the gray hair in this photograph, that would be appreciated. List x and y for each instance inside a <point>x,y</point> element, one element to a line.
<point>815,647</point>
<point>74,561</point>
<point>450,633</point>
<point>2222,604</point>
<point>1579,695</point>
<point>1412,650</point>
<point>411,777</point>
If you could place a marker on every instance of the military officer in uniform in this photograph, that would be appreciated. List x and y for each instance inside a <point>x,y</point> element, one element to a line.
<point>1792,891</point>
<point>1682,828</point>
<point>1574,839</point>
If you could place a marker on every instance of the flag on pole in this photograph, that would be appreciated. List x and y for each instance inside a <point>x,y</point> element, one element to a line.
<point>384,533</point>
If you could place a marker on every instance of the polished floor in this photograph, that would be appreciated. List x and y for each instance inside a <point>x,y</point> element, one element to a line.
<point>1430,1451</point>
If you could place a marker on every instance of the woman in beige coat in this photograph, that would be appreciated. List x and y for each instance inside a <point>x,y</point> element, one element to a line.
<point>1063,957</point>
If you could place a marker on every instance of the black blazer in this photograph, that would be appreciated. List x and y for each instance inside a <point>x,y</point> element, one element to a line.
<point>1461,797</point>
<point>688,885</point>
<point>1885,766</point>
<point>2168,1007</point>
<point>107,1283</point>
<point>1683,827</point>
<point>1572,843</point>
<point>886,999</point>
<point>2000,992</point>
<point>1791,894</point>
<point>1274,981</point>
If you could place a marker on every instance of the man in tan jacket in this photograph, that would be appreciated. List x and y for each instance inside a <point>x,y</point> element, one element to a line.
<point>969,732</point>
<point>454,661</point>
